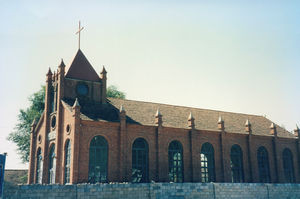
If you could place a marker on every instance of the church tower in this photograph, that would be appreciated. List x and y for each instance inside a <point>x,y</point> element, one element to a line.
<point>82,82</point>
<point>80,85</point>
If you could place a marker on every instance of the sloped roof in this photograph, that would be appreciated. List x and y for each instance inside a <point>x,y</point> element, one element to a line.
<point>176,116</point>
<point>82,69</point>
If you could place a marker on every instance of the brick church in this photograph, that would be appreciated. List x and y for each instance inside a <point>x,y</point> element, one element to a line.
<point>85,137</point>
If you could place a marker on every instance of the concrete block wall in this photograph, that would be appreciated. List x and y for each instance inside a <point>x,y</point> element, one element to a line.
<point>242,190</point>
<point>156,191</point>
<point>284,190</point>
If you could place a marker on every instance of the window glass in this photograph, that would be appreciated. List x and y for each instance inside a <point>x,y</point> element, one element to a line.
<point>98,160</point>
<point>236,157</point>
<point>52,165</point>
<point>175,162</point>
<point>288,166</point>
<point>263,165</point>
<point>139,161</point>
<point>39,167</point>
<point>207,163</point>
<point>82,89</point>
<point>67,161</point>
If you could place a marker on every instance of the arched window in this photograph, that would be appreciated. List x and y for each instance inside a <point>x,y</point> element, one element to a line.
<point>288,167</point>
<point>98,160</point>
<point>67,161</point>
<point>39,167</point>
<point>175,162</point>
<point>207,163</point>
<point>52,165</point>
<point>236,157</point>
<point>263,164</point>
<point>139,161</point>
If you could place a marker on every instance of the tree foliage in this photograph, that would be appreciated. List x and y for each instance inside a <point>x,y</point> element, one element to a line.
<point>112,91</point>
<point>21,133</point>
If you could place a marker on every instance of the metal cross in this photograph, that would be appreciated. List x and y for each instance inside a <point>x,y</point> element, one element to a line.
<point>78,32</point>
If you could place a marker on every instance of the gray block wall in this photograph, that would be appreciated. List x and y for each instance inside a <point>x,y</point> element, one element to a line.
<point>155,191</point>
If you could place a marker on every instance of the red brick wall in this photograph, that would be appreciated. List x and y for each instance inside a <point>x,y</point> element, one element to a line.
<point>111,132</point>
<point>120,137</point>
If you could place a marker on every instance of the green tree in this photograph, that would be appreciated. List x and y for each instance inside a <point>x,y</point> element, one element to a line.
<point>21,133</point>
<point>112,91</point>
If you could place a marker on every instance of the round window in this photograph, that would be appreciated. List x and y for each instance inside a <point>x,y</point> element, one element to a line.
<point>53,121</point>
<point>82,89</point>
<point>68,129</point>
<point>40,138</point>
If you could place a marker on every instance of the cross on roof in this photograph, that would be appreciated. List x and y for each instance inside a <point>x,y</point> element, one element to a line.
<point>78,32</point>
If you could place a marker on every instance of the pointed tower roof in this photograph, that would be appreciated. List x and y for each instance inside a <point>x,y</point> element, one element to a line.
<point>191,117</point>
<point>103,70</point>
<point>247,123</point>
<point>296,129</point>
<point>158,113</point>
<point>76,103</point>
<point>34,122</point>
<point>272,125</point>
<point>122,110</point>
<point>220,119</point>
<point>49,72</point>
<point>62,64</point>
<point>82,69</point>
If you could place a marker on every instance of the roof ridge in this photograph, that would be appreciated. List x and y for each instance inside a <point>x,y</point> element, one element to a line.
<point>156,103</point>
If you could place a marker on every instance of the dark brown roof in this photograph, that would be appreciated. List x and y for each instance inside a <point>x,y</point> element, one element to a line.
<point>176,116</point>
<point>82,69</point>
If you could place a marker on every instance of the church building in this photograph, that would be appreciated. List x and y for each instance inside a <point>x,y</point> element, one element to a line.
<point>85,137</point>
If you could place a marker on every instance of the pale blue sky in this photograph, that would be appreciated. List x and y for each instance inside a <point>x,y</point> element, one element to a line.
<point>237,56</point>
